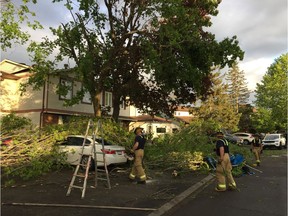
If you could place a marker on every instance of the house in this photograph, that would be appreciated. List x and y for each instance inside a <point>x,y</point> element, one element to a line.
<point>45,106</point>
<point>154,126</point>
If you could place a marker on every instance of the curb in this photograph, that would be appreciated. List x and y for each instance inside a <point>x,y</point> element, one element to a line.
<point>176,200</point>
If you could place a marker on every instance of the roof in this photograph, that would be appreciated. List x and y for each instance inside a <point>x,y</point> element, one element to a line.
<point>11,67</point>
<point>185,119</point>
<point>183,108</point>
<point>147,118</point>
<point>4,75</point>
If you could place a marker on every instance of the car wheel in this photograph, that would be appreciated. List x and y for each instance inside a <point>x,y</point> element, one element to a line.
<point>245,142</point>
<point>280,146</point>
<point>84,162</point>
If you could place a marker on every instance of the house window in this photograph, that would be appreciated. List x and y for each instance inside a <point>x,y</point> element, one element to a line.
<point>66,87</point>
<point>160,130</point>
<point>86,98</point>
<point>108,99</point>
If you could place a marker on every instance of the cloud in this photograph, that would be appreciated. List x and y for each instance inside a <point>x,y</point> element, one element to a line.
<point>261,29</point>
<point>260,26</point>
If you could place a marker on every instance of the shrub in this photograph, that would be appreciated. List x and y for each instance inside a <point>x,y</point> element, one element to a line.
<point>11,122</point>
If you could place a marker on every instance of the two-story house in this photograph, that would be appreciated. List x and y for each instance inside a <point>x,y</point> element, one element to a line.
<point>45,106</point>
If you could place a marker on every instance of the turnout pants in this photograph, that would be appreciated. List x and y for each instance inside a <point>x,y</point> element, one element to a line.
<point>137,168</point>
<point>257,152</point>
<point>223,173</point>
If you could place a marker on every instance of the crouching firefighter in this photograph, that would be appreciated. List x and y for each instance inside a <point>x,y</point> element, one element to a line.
<point>223,167</point>
<point>137,172</point>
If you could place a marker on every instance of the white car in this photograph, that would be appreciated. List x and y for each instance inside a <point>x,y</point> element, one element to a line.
<point>72,146</point>
<point>246,137</point>
<point>277,140</point>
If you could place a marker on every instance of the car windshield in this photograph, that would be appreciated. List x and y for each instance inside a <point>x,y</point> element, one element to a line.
<point>272,136</point>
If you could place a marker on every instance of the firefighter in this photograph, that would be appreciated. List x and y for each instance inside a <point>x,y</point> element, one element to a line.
<point>137,172</point>
<point>223,167</point>
<point>256,148</point>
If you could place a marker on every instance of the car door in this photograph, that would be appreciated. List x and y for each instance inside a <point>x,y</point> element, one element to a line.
<point>73,149</point>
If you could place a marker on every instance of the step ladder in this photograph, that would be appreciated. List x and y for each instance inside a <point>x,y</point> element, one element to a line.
<point>91,158</point>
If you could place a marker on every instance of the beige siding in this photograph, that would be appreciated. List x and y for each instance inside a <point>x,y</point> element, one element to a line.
<point>55,103</point>
<point>9,95</point>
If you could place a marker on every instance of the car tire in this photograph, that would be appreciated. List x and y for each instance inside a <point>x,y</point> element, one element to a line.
<point>84,161</point>
<point>246,142</point>
<point>280,146</point>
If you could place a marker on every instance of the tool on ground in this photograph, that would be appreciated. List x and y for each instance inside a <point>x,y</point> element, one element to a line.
<point>253,168</point>
<point>89,159</point>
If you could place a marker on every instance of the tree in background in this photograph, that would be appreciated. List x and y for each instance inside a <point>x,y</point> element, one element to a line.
<point>237,87</point>
<point>12,18</point>
<point>156,53</point>
<point>245,122</point>
<point>271,98</point>
<point>217,108</point>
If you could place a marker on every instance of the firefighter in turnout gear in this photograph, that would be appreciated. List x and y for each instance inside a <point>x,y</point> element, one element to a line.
<point>137,172</point>
<point>256,148</point>
<point>223,167</point>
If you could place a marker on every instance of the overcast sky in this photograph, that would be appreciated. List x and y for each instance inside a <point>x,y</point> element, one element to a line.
<point>260,26</point>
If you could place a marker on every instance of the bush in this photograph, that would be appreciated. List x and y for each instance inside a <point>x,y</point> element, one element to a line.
<point>11,122</point>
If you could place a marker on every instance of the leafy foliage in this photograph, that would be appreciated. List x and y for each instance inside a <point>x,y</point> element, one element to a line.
<point>186,149</point>
<point>12,16</point>
<point>12,122</point>
<point>217,109</point>
<point>245,122</point>
<point>271,97</point>
<point>35,152</point>
<point>142,50</point>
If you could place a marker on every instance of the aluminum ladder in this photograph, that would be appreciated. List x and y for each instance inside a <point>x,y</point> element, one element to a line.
<point>88,163</point>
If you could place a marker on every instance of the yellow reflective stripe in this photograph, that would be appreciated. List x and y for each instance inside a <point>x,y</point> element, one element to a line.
<point>132,176</point>
<point>143,177</point>
<point>225,142</point>
<point>221,186</point>
<point>232,184</point>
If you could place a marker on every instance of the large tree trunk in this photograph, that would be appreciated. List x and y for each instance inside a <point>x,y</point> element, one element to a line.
<point>116,107</point>
<point>96,104</point>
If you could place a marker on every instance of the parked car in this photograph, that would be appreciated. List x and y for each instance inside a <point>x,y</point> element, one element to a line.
<point>72,146</point>
<point>229,137</point>
<point>277,140</point>
<point>233,139</point>
<point>246,137</point>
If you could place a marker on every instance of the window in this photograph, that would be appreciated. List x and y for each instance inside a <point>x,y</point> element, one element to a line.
<point>86,98</point>
<point>77,141</point>
<point>66,87</point>
<point>160,130</point>
<point>108,99</point>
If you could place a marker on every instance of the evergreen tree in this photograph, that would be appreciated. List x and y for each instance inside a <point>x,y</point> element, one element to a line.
<point>217,108</point>
<point>237,87</point>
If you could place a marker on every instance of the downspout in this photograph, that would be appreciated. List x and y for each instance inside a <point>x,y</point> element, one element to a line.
<point>44,101</point>
<point>43,105</point>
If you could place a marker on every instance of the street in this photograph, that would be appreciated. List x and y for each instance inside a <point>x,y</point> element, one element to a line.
<point>261,194</point>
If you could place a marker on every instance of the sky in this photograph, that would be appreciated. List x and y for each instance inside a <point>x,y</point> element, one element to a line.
<point>260,27</point>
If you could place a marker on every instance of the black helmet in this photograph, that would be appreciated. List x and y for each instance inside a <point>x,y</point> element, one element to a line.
<point>219,134</point>
<point>137,129</point>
